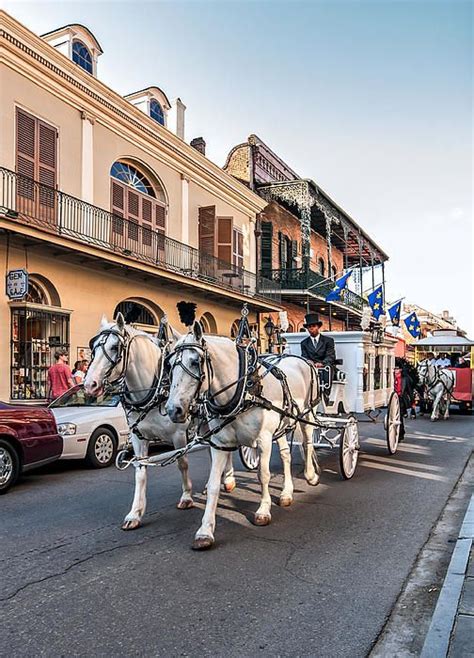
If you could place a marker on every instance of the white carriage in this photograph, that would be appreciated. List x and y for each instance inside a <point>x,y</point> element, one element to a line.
<point>363,383</point>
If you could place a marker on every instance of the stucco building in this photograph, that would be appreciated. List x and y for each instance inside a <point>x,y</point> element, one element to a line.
<point>306,240</point>
<point>104,204</point>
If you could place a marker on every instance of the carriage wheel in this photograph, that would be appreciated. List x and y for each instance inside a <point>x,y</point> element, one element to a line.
<point>393,423</point>
<point>249,457</point>
<point>349,449</point>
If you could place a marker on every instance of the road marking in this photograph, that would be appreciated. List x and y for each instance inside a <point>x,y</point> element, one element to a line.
<point>402,462</point>
<point>403,471</point>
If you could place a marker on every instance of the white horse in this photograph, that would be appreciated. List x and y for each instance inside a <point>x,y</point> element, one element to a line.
<point>119,351</point>
<point>439,383</point>
<point>211,365</point>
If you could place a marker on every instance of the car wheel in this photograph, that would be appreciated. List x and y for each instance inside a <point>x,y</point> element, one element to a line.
<point>102,448</point>
<point>9,466</point>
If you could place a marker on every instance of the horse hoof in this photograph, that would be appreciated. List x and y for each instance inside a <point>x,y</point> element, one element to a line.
<point>285,501</point>
<point>202,543</point>
<point>314,481</point>
<point>262,519</point>
<point>132,524</point>
<point>185,504</point>
<point>230,486</point>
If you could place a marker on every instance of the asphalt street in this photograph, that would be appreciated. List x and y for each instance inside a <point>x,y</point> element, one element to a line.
<point>321,580</point>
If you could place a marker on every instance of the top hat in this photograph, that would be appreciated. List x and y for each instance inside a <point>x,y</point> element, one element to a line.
<point>312,318</point>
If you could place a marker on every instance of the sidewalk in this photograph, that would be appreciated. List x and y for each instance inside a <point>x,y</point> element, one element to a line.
<point>451,632</point>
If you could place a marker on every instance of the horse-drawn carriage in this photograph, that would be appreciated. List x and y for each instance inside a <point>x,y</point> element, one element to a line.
<point>193,390</point>
<point>460,352</point>
<point>361,384</point>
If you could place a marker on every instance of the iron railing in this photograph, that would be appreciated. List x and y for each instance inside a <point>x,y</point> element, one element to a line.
<point>29,202</point>
<point>303,280</point>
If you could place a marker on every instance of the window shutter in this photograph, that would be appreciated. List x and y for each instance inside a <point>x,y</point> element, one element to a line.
<point>133,214</point>
<point>224,239</point>
<point>118,206</point>
<point>294,252</point>
<point>160,214</point>
<point>238,249</point>
<point>282,250</point>
<point>266,245</point>
<point>147,219</point>
<point>47,140</point>
<point>25,148</point>
<point>207,230</point>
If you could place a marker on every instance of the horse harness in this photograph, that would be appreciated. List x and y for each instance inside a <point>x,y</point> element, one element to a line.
<point>156,394</point>
<point>248,391</point>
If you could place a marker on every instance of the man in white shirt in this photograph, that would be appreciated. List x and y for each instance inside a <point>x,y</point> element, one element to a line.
<point>442,361</point>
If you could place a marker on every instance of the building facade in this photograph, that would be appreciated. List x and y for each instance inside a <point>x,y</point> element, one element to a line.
<point>105,205</point>
<point>306,240</point>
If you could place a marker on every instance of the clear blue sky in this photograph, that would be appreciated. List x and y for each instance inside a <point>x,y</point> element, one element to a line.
<point>373,100</point>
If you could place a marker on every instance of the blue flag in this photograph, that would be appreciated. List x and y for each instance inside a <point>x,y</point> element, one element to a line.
<point>376,302</point>
<point>335,294</point>
<point>413,325</point>
<point>394,312</point>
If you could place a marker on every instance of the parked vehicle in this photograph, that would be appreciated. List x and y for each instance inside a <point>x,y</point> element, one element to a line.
<point>92,428</point>
<point>28,438</point>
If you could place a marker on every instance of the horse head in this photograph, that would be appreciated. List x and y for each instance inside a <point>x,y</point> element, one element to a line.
<point>188,366</point>
<point>425,371</point>
<point>108,353</point>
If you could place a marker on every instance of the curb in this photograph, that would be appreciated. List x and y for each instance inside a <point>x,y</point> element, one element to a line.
<point>437,640</point>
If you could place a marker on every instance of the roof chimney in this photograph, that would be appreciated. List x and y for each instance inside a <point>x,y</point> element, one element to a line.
<point>199,144</point>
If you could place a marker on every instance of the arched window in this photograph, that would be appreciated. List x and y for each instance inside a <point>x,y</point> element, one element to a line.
<point>322,267</point>
<point>143,317</point>
<point>135,197</point>
<point>208,323</point>
<point>334,272</point>
<point>234,330</point>
<point>81,56</point>
<point>156,112</point>
<point>36,293</point>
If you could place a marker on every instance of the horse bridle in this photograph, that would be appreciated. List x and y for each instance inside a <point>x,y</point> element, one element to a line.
<point>99,341</point>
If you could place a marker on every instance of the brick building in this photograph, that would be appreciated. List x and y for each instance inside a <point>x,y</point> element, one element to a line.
<point>305,240</point>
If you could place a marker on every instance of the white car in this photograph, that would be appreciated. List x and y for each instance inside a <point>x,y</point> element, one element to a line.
<point>92,428</point>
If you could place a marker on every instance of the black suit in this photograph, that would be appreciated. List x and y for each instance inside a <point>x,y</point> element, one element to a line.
<point>323,353</point>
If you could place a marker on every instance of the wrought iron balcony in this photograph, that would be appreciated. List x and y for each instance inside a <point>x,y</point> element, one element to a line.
<point>301,280</point>
<point>31,203</point>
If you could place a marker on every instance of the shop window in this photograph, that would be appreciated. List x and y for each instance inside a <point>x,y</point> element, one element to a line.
<point>35,336</point>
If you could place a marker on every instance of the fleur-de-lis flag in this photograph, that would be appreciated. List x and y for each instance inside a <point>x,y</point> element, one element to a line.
<point>375,300</point>
<point>394,312</point>
<point>335,294</point>
<point>413,325</point>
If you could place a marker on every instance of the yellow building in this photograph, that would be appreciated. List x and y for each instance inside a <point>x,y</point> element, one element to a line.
<point>103,203</point>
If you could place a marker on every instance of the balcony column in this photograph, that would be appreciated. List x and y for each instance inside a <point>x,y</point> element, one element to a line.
<point>184,209</point>
<point>329,245</point>
<point>373,271</point>
<point>305,219</point>
<point>360,242</point>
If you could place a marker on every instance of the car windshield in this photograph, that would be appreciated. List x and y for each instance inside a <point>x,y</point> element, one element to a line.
<point>77,397</point>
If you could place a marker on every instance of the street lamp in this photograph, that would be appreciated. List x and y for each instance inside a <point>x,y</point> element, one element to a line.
<point>269,329</point>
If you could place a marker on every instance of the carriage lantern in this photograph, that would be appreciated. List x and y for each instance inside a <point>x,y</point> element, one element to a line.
<point>377,333</point>
<point>269,329</point>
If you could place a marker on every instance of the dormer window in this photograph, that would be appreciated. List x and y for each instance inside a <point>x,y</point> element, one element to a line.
<point>156,112</point>
<point>81,56</point>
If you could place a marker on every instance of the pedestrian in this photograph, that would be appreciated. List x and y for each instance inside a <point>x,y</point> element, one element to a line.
<point>79,371</point>
<point>442,361</point>
<point>59,376</point>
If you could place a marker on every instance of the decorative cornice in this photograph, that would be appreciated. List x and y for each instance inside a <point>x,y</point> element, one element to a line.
<point>121,108</point>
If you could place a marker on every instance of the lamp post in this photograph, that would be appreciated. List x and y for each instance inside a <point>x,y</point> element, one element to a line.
<point>269,329</point>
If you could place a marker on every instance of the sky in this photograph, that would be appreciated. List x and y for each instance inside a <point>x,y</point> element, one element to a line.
<point>371,99</point>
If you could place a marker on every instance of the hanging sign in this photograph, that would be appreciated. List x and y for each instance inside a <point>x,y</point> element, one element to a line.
<point>16,285</point>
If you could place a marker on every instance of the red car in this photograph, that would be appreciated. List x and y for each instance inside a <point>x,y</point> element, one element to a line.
<point>28,438</point>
